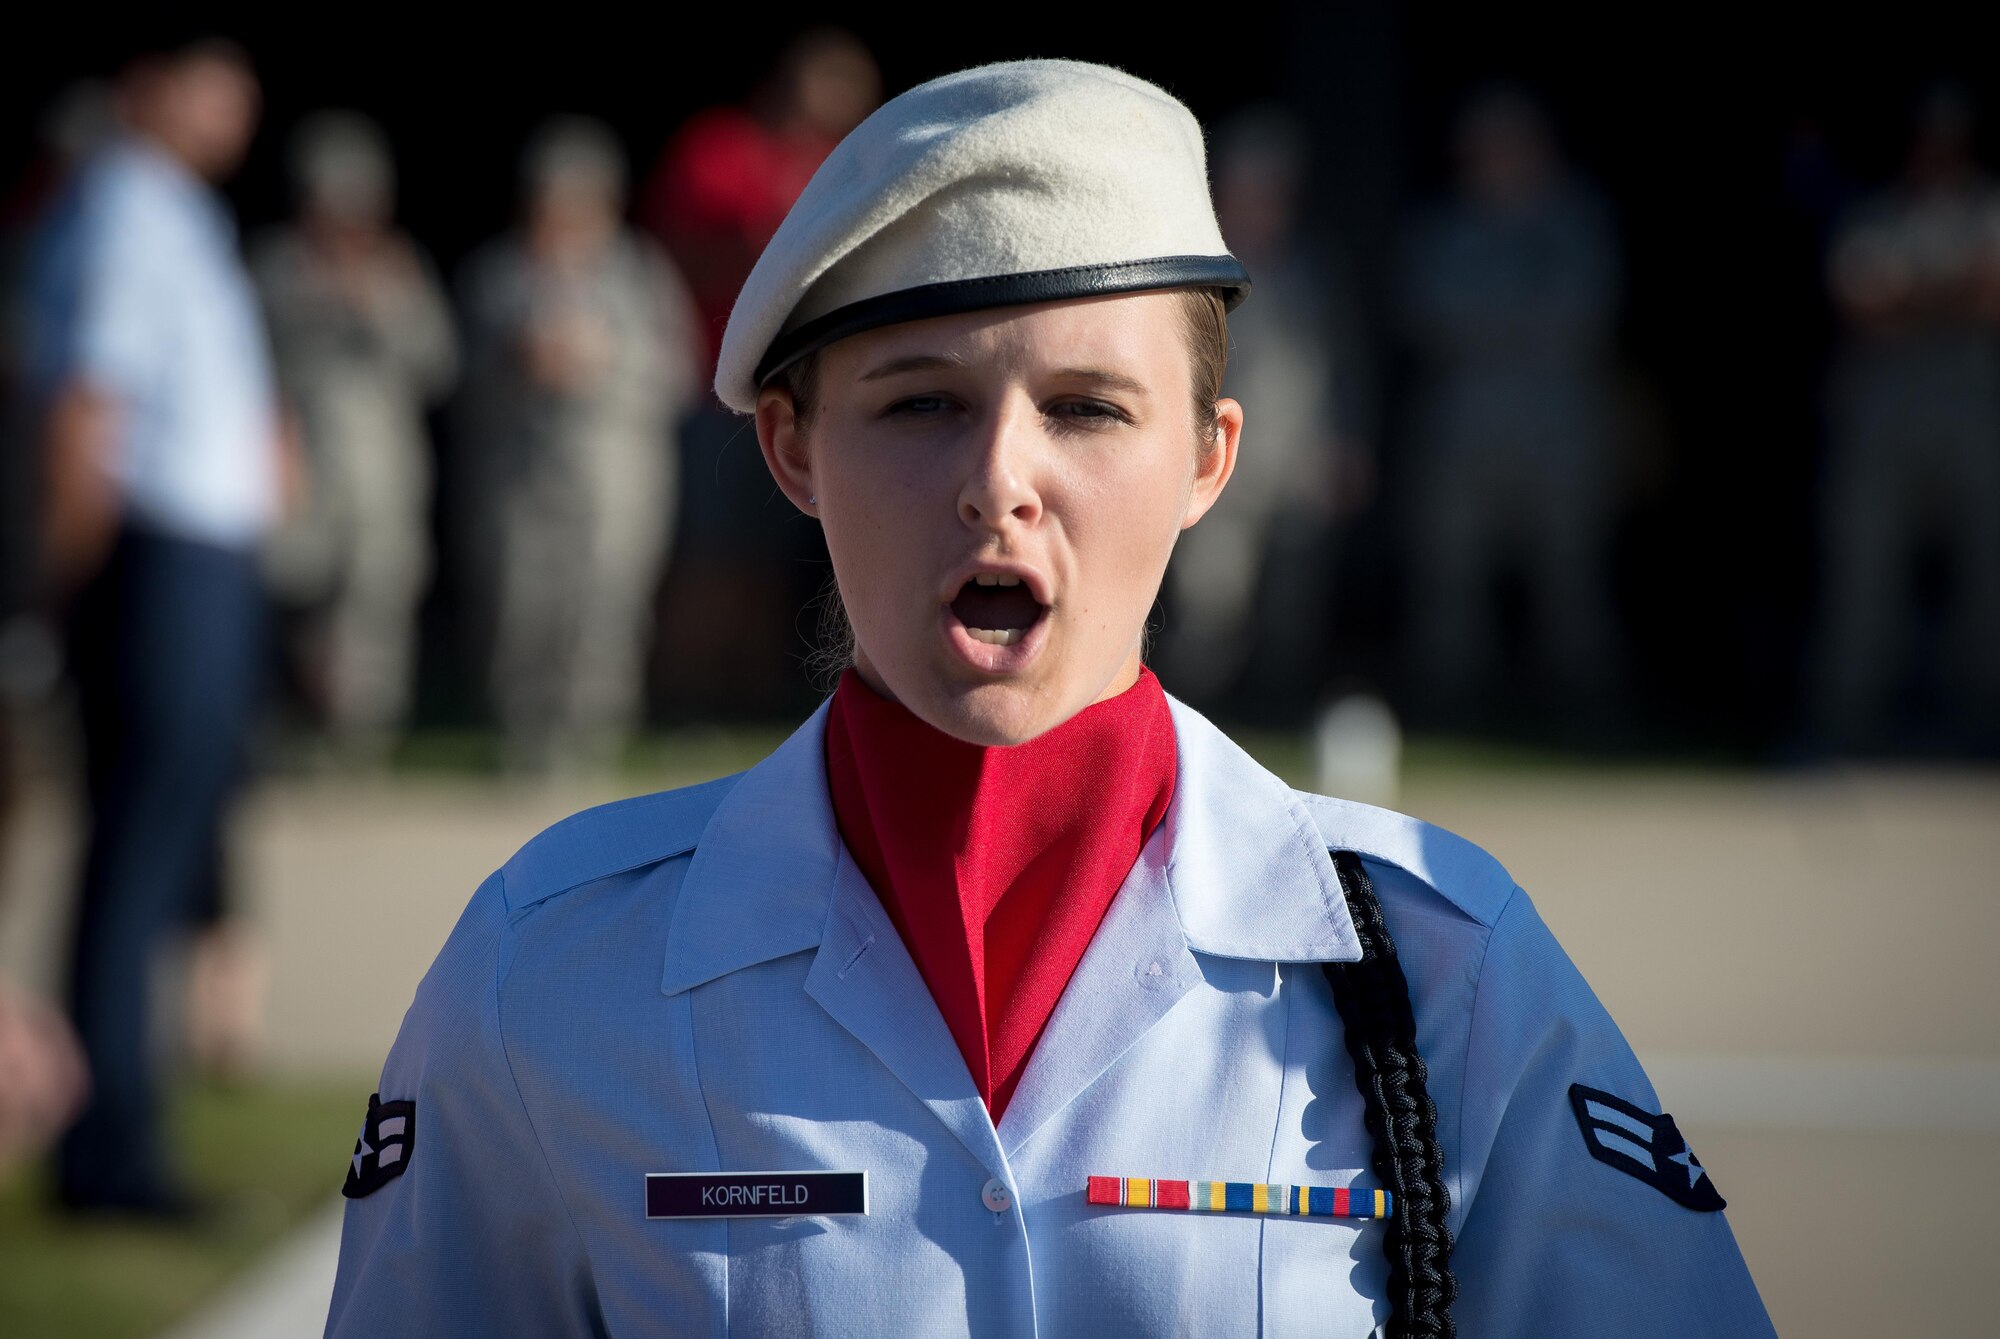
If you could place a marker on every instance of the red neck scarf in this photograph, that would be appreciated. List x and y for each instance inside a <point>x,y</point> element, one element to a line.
<point>997,864</point>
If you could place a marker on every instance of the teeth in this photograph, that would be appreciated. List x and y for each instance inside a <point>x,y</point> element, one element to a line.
<point>995,636</point>
<point>996,579</point>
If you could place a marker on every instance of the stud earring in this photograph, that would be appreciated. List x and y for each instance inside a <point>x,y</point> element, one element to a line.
<point>812,499</point>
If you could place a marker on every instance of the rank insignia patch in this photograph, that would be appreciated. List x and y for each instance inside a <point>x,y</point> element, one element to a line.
<point>383,1151</point>
<point>1641,1144</point>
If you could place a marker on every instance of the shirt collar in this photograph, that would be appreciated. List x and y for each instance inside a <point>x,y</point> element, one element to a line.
<point>1249,872</point>
<point>762,873</point>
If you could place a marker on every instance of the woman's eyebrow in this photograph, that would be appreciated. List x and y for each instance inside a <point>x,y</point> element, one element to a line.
<point>923,362</point>
<point>1101,378</point>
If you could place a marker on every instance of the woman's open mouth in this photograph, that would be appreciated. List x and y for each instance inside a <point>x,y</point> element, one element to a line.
<point>996,610</point>
<point>994,622</point>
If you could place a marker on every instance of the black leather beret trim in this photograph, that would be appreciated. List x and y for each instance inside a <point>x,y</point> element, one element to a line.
<point>1005,290</point>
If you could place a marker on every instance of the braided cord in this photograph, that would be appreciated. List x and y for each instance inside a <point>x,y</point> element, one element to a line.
<point>1373,997</point>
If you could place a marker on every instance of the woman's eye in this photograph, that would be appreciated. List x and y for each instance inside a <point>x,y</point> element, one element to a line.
<point>918,406</point>
<point>1091,412</point>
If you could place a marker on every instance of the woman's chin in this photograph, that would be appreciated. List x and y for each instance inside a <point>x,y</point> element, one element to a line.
<point>995,713</point>
<point>992,707</point>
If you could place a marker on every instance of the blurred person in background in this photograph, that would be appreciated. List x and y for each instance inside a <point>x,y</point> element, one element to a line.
<point>1510,298</point>
<point>730,173</point>
<point>718,192</point>
<point>72,126</point>
<point>364,343</point>
<point>1249,587</point>
<point>581,352</point>
<point>43,1081</point>
<point>1914,463</point>
<point>162,476</point>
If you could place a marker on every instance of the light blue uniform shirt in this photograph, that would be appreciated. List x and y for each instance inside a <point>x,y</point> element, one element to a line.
<point>703,980</point>
<point>137,290</point>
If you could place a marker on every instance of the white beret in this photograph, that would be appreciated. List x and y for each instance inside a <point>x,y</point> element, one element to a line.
<point>1026,181</point>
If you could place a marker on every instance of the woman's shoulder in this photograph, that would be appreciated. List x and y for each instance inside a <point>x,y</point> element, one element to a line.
<point>1426,862</point>
<point>583,890</point>
<point>609,839</point>
<point>1467,933</point>
<point>586,895</point>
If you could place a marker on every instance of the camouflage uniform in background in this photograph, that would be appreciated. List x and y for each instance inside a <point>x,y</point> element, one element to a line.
<point>571,475</point>
<point>360,353</point>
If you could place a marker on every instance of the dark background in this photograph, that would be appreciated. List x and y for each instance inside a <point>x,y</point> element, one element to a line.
<point>1685,120</point>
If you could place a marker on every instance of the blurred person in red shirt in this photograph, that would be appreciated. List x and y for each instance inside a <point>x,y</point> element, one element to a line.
<point>730,174</point>
<point>725,181</point>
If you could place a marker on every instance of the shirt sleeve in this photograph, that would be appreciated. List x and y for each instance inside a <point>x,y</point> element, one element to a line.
<point>472,1237</point>
<point>1555,1240</point>
<point>122,337</point>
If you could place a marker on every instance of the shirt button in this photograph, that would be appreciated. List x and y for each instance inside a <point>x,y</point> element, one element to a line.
<point>996,1196</point>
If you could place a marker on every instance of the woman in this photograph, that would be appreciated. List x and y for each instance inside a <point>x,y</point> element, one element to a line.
<point>873,1038</point>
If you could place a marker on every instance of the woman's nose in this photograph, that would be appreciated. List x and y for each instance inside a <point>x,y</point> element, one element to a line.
<point>1000,479</point>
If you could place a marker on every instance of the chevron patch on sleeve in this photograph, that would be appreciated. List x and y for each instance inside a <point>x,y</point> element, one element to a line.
<point>1643,1145</point>
<point>382,1153</point>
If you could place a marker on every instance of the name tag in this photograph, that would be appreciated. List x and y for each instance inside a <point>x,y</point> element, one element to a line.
<point>754,1194</point>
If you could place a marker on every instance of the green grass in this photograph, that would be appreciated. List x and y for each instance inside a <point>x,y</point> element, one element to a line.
<point>267,1154</point>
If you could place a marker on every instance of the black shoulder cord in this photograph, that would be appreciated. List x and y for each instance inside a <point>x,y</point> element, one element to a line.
<point>1374,1002</point>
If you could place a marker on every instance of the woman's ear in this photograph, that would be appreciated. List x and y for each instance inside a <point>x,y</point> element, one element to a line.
<point>783,443</point>
<point>1214,464</point>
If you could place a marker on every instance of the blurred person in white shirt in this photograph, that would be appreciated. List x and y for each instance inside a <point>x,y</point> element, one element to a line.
<point>162,475</point>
